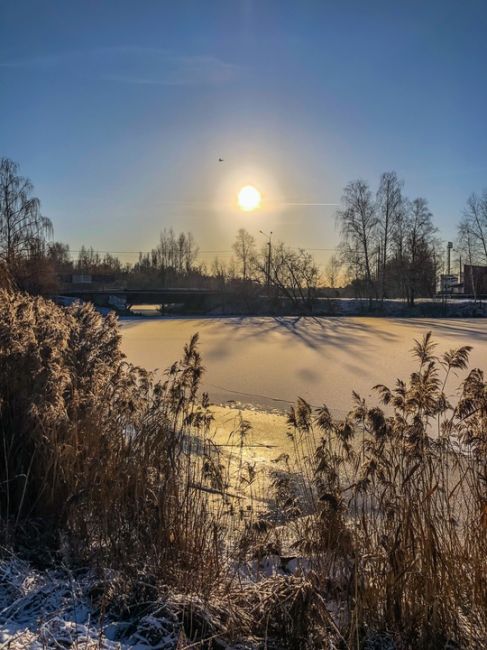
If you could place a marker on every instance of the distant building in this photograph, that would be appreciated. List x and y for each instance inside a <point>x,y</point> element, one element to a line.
<point>475,280</point>
<point>451,284</point>
<point>87,278</point>
<point>448,283</point>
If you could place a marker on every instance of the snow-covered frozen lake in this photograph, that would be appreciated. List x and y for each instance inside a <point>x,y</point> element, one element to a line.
<point>267,362</point>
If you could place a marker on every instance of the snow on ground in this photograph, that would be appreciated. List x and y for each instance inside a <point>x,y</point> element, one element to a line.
<point>54,609</point>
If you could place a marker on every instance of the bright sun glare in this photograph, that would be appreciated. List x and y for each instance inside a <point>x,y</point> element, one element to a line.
<point>249,198</point>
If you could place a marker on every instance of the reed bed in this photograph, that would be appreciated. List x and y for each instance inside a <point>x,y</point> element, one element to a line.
<point>372,535</point>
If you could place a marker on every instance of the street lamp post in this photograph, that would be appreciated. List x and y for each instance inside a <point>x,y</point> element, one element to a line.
<point>268,261</point>
<point>448,252</point>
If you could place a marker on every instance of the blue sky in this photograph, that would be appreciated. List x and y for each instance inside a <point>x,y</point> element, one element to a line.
<point>118,112</point>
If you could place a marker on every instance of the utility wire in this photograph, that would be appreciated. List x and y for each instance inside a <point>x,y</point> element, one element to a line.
<point>200,251</point>
<point>89,250</point>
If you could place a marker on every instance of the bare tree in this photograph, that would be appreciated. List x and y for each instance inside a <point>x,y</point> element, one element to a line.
<point>187,253</point>
<point>468,247</point>
<point>474,222</point>
<point>58,254</point>
<point>332,271</point>
<point>36,272</point>
<point>21,221</point>
<point>88,260</point>
<point>358,224</point>
<point>389,209</point>
<point>389,239</point>
<point>472,235</point>
<point>173,259</point>
<point>244,249</point>
<point>292,274</point>
<point>218,271</point>
<point>420,253</point>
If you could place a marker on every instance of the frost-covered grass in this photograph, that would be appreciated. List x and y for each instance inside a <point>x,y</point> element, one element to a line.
<point>124,524</point>
<point>60,609</point>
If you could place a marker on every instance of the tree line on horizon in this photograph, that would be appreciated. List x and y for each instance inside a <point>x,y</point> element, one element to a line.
<point>389,248</point>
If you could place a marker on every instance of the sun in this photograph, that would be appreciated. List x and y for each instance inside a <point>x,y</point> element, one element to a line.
<point>249,198</point>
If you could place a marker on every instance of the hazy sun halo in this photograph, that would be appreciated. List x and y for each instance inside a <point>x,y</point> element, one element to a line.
<point>249,198</point>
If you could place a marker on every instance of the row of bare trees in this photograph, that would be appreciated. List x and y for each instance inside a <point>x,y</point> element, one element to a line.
<point>34,263</point>
<point>173,262</point>
<point>285,272</point>
<point>389,245</point>
<point>388,248</point>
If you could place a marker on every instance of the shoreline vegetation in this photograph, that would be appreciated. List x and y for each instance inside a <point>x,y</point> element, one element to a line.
<point>125,522</point>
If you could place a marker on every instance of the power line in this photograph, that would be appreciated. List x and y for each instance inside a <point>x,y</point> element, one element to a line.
<point>92,250</point>
<point>141,252</point>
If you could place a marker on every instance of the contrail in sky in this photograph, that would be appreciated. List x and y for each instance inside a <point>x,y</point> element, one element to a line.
<point>296,203</point>
<point>209,203</point>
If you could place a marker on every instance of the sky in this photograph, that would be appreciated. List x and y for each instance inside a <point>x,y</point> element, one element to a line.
<point>118,111</point>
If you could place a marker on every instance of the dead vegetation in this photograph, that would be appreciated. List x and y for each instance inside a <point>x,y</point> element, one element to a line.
<point>400,506</point>
<point>374,534</point>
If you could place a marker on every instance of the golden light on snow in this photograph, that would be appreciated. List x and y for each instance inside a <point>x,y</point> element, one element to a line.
<point>249,198</point>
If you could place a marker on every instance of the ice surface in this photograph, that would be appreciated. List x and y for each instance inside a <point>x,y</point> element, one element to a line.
<point>268,362</point>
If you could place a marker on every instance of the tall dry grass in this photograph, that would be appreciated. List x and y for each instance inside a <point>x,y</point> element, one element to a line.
<point>398,502</point>
<point>98,458</point>
<point>377,526</point>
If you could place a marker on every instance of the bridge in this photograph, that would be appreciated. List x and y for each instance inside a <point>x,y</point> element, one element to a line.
<point>197,299</point>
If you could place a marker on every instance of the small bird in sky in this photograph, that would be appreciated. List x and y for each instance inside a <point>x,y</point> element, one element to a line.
<point>220,159</point>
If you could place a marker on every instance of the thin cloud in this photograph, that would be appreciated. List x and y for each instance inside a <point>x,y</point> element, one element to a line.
<point>270,201</point>
<point>32,62</point>
<point>182,71</point>
<point>135,65</point>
